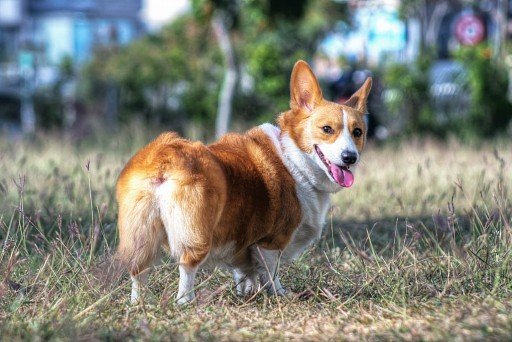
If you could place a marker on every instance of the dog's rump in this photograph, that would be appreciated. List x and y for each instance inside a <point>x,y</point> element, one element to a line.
<point>170,193</point>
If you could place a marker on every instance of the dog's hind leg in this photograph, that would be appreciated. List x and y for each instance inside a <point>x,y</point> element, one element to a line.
<point>138,282</point>
<point>189,213</point>
<point>189,265</point>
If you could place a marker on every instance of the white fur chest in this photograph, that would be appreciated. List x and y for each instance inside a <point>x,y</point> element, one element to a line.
<point>314,205</point>
<point>309,178</point>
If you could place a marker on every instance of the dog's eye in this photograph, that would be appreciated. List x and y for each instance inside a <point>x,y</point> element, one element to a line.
<point>328,129</point>
<point>357,132</point>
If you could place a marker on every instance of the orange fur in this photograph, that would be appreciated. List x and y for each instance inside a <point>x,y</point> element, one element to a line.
<point>234,190</point>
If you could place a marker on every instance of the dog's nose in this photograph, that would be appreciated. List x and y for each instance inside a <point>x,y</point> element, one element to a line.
<point>349,157</point>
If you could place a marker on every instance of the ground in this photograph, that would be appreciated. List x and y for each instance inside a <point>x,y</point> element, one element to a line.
<point>417,249</point>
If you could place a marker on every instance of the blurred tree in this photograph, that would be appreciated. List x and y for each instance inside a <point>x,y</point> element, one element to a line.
<point>278,33</point>
<point>411,104</point>
<point>164,78</point>
<point>409,101</point>
<point>223,15</point>
<point>490,111</point>
<point>415,9</point>
<point>176,74</point>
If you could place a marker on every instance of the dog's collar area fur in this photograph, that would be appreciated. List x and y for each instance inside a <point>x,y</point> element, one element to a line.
<point>302,166</point>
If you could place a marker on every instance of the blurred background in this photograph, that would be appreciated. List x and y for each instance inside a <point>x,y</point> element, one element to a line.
<point>202,67</point>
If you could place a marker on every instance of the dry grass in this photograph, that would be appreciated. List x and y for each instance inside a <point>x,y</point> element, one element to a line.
<point>418,249</point>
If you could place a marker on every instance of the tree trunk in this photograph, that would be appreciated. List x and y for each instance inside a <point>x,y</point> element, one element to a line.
<point>434,24</point>
<point>28,116</point>
<point>230,76</point>
<point>500,35</point>
<point>111,104</point>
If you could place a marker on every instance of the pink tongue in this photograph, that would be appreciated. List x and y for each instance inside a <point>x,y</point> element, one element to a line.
<point>342,176</point>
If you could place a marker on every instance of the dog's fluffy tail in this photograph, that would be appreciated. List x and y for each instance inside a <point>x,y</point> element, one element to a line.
<point>140,227</point>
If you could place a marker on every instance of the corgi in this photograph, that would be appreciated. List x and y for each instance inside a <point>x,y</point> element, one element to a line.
<point>248,201</point>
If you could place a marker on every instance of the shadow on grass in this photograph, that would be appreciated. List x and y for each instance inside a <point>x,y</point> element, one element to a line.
<point>386,233</point>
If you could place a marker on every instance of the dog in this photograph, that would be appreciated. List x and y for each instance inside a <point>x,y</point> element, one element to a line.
<point>248,201</point>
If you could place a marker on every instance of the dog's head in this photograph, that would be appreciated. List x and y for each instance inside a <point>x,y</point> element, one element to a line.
<point>331,136</point>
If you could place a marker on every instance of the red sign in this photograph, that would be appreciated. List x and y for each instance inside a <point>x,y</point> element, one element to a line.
<point>469,29</point>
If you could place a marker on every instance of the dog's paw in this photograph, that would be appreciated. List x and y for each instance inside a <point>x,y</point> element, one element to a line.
<point>185,299</point>
<point>282,292</point>
<point>277,291</point>
<point>246,287</point>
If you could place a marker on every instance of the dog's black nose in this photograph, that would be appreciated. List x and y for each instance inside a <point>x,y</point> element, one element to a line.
<point>348,157</point>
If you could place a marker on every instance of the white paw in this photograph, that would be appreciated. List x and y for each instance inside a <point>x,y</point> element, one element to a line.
<point>246,287</point>
<point>185,299</point>
<point>134,300</point>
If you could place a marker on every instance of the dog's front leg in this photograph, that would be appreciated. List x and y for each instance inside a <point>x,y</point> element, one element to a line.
<point>268,265</point>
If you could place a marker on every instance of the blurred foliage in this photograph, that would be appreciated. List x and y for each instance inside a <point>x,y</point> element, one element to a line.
<point>48,105</point>
<point>410,103</point>
<point>175,75</point>
<point>277,39</point>
<point>408,99</point>
<point>490,111</point>
<point>412,8</point>
<point>49,100</point>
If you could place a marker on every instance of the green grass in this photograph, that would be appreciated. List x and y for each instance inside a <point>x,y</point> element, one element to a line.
<point>418,248</point>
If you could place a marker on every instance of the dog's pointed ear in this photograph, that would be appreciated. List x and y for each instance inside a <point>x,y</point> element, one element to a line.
<point>305,92</point>
<point>359,99</point>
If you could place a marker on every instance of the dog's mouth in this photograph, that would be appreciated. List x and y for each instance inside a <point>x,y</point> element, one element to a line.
<point>340,174</point>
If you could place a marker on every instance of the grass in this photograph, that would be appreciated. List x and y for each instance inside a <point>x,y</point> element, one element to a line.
<point>417,249</point>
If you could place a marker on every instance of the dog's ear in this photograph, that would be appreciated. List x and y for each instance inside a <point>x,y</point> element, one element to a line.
<point>305,92</point>
<point>360,97</point>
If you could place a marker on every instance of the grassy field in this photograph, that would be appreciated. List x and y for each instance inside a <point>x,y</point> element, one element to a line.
<point>417,249</point>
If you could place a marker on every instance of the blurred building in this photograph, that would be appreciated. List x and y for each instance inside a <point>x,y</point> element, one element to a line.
<point>37,36</point>
<point>377,34</point>
<point>54,29</point>
<point>373,33</point>
<point>158,13</point>
<point>381,32</point>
